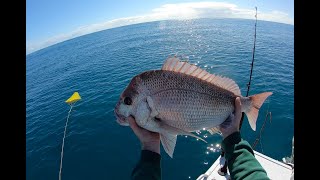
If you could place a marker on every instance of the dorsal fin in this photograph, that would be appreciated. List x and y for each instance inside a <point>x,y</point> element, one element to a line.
<point>174,64</point>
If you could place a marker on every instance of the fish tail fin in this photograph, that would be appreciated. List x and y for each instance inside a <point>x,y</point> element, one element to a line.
<point>252,109</point>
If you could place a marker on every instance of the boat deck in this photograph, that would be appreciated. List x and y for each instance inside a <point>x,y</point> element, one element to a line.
<point>275,169</point>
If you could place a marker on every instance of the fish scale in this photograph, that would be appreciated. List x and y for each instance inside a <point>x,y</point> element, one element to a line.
<point>181,96</point>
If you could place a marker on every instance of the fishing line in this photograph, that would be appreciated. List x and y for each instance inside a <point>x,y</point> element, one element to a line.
<point>268,114</point>
<point>64,136</point>
<point>261,130</point>
<point>71,101</point>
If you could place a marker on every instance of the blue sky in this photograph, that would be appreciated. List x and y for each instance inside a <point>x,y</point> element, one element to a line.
<point>53,21</point>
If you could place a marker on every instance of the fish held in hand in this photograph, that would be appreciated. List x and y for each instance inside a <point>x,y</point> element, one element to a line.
<point>182,98</point>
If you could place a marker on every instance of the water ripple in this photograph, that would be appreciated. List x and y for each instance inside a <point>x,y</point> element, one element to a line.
<point>100,65</point>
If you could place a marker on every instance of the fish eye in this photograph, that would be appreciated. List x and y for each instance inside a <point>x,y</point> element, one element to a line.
<point>127,101</point>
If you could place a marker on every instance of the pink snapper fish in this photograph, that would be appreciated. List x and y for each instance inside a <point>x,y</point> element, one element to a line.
<point>182,98</point>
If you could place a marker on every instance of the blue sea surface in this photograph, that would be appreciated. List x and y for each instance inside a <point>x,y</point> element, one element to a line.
<point>100,65</point>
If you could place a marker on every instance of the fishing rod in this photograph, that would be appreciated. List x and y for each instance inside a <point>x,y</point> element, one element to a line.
<point>223,170</point>
<point>268,114</point>
<point>253,51</point>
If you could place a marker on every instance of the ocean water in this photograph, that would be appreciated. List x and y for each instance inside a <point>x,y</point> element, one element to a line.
<point>101,64</point>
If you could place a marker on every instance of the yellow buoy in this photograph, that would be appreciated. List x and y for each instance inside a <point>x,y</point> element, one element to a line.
<point>74,98</point>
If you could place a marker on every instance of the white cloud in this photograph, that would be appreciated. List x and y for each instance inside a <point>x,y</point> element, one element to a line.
<point>169,11</point>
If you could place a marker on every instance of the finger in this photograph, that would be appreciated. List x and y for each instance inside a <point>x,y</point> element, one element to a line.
<point>131,121</point>
<point>237,113</point>
<point>134,126</point>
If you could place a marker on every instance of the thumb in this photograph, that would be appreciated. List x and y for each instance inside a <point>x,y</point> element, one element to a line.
<point>134,126</point>
<point>131,121</point>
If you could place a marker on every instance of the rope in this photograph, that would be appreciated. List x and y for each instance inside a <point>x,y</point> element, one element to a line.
<point>64,136</point>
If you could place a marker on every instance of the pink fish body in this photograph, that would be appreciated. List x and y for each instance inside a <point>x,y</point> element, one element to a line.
<point>182,98</point>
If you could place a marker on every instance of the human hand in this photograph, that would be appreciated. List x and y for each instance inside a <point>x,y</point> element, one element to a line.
<point>235,120</point>
<point>149,140</point>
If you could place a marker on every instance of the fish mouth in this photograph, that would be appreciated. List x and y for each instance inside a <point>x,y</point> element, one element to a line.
<point>121,119</point>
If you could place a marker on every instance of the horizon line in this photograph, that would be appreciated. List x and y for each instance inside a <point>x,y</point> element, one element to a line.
<point>188,11</point>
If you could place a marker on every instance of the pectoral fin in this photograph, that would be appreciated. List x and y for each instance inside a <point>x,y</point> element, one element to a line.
<point>154,112</point>
<point>166,129</point>
<point>214,130</point>
<point>168,142</point>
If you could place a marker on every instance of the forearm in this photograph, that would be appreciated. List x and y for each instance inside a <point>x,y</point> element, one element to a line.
<point>154,147</point>
<point>148,167</point>
<point>240,157</point>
